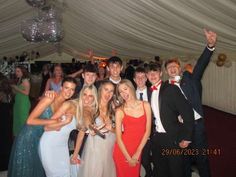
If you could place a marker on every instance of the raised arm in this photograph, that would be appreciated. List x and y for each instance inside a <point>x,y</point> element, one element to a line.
<point>147,132</point>
<point>75,74</point>
<point>34,118</point>
<point>205,57</point>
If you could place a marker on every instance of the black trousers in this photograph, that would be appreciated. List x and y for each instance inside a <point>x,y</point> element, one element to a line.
<point>147,159</point>
<point>199,143</point>
<point>167,156</point>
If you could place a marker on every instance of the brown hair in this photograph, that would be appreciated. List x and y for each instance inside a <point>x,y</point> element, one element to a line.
<point>172,60</point>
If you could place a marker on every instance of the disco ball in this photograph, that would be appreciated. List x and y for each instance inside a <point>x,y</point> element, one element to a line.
<point>49,12</point>
<point>30,30</point>
<point>36,3</point>
<point>51,30</point>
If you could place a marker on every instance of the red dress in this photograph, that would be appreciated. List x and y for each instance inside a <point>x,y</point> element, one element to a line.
<point>134,129</point>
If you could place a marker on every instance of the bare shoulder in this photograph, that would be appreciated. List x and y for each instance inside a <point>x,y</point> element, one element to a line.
<point>69,104</point>
<point>146,104</point>
<point>119,112</point>
<point>46,100</point>
<point>73,102</point>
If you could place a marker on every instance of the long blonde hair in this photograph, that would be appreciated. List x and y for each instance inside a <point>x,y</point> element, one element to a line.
<point>94,106</point>
<point>130,85</point>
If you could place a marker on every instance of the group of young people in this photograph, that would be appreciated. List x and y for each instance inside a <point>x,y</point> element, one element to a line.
<point>141,125</point>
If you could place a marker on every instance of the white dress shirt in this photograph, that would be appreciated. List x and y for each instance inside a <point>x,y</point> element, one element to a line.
<point>156,111</point>
<point>144,91</point>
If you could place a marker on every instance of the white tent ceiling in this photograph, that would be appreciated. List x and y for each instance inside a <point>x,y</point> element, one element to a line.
<point>134,28</point>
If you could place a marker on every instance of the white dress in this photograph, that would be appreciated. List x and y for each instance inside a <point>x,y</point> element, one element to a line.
<point>97,159</point>
<point>54,152</point>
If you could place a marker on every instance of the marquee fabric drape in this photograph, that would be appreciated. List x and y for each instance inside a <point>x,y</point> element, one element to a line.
<point>137,29</point>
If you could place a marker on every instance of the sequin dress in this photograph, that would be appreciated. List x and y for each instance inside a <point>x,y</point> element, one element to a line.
<point>24,160</point>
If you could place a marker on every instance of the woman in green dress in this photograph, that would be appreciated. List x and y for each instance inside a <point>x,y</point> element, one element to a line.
<point>21,105</point>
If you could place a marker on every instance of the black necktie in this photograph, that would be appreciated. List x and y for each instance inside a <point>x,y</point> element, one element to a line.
<point>141,96</point>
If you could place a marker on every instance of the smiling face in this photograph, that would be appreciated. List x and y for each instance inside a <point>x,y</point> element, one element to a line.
<point>87,97</point>
<point>115,70</point>
<point>173,69</point>
<point>126,92</point>
<point>154,76</point>
<point>107,91</point>
<point>57,72</point>
<point>140,79</point>
<point>89,78</point>
<point>68,89</point>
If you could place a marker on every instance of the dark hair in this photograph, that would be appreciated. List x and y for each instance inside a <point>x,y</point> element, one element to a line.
<point>25,74</point>
<point>90,68</point>
<point>139,70</point>
<point>173,60</point>
<point>114,59</point>
<point>153,67</point>
<point>5,86</point>
<point>69,79</point>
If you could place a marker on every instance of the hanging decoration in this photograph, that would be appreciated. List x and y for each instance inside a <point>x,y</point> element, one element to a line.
<point>30,30</point>
<point>51,30</point>
<point>36,3</point>
<point>47,27</point>
<point>228,63</point>
<point>222,60</point>
<point>49,12</point>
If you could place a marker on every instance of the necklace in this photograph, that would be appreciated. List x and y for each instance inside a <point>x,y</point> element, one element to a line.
<point>132,106</point>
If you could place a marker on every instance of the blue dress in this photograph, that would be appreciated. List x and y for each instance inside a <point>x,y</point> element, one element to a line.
<point>54,152</point>
<point>24,159</point>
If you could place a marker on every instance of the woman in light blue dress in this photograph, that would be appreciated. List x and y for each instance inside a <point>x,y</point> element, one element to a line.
<point>53,148</point>
<point>24,160</point>
<point>54,83</point>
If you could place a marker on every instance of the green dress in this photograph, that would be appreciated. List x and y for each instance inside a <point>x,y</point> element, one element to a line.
<point>21,110</point>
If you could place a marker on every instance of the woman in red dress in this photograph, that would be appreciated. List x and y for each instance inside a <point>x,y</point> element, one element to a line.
<point>133,125</point>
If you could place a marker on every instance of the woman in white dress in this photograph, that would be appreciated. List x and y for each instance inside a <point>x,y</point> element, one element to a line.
<point>53,147</point>
<point>97,158</point>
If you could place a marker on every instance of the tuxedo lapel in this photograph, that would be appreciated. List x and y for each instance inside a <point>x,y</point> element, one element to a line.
<point>162,88</point>
<point>149,95</point>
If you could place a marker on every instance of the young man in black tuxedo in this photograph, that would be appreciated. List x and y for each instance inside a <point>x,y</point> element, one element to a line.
<point>190,85</point>
<point>170,136</point>
<point>144,93</point>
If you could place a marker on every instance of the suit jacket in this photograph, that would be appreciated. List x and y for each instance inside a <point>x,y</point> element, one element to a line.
<point>172,103</point>
<point>191,83</point>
